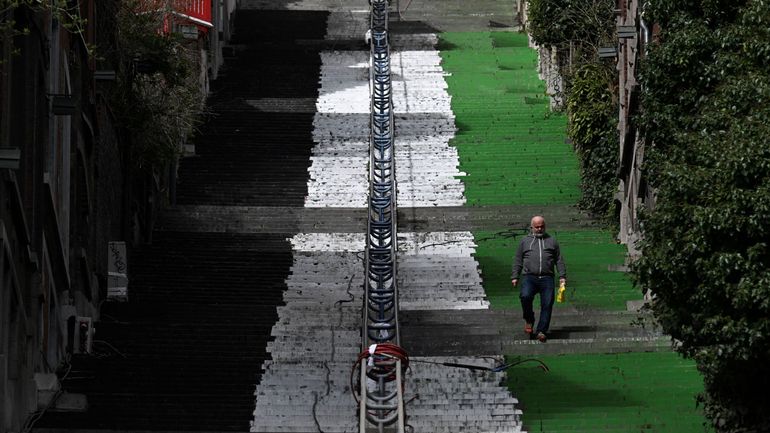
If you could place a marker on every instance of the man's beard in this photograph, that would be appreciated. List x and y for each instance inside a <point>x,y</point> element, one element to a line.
<point>538,235</point>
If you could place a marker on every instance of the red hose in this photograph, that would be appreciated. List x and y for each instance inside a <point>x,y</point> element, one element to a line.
<point>385,357</point>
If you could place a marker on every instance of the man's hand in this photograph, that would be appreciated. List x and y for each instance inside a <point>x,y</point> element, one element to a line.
<point>515,281</point>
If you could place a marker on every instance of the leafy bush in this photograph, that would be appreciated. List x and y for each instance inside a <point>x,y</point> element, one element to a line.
<point>706,248</point>
<point>548,21</point>
<point>158,99</point>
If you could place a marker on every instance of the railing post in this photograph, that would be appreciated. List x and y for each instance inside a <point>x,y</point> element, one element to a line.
<point>401,423</point>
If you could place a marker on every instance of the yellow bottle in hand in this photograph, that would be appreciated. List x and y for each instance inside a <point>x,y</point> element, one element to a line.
<point>562,289</point>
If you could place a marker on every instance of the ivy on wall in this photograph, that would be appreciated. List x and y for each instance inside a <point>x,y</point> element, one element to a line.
<point>706,247</point>
<point>157,99</point>
<point>593,119</point>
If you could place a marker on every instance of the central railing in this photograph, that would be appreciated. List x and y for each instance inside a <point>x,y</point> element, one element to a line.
<point>381,403</point>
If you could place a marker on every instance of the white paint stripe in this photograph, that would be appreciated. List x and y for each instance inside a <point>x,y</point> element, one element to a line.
<point>426,166</point>
<point>418,83</point>
<point>436,270</point>
<point>344,82</point>
<point>456,398</point>
<point>316,339</point>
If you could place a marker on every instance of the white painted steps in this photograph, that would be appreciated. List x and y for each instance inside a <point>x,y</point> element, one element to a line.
<point>305,387</point>
<point>426,166</point>
<point>317,339</point>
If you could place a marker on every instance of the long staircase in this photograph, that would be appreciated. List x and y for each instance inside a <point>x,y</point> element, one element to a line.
<point>245,311</point>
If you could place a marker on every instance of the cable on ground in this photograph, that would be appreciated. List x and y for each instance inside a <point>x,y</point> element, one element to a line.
<point>504,234</point>
<point>496,369</point>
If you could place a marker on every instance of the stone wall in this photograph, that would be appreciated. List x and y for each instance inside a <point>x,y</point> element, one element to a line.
<point>550,61</point>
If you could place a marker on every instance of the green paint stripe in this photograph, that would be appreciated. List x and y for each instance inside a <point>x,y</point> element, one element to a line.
<point>513,151</point>
<point>509,143</point>
<point>629,392</point>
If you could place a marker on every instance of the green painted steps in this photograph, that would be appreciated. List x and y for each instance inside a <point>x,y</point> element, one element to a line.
<point>510,144</point>
<point>589,255</point>
<point>515,154</point>
<point>629,392</point>
<point>513,149</point>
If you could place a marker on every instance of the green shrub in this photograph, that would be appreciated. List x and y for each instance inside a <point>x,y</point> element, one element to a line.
<point>554,23</point>
<point>706,247</point>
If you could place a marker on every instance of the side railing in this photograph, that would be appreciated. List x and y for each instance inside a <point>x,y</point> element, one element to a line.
<point>381,403</point>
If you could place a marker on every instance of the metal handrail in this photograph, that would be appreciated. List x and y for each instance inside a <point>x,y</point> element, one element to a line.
<point>381,402</point>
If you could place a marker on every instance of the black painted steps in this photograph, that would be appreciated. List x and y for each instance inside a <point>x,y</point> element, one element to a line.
<point>245,155</point>
<point>185,352</point>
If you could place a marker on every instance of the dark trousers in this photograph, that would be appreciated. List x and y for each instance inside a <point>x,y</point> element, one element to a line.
<point>530,286</point>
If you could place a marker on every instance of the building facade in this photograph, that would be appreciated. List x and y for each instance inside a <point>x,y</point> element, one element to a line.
<point>71,201</point>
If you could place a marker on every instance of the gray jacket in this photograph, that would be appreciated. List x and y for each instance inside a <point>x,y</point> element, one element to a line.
<point>537,256</point>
